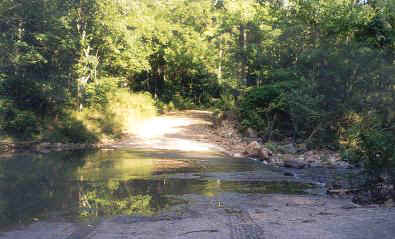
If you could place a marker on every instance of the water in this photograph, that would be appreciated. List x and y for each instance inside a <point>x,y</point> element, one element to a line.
<point>84,185</point>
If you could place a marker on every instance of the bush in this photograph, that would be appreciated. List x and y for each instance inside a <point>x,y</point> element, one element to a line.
<point>164,108</point>
<point>183,103</point>
<point>129,109</point>
<point>227,102</point>
<point>96,94</point>
<point>71,130</point>
<point>109,111</point>
<point>372,145</point>
<point>266,109</point>
<point>120,112</point>
<point>311,120</point>
<point>21,124</point>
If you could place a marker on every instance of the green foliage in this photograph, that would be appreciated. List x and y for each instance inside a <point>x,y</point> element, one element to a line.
<point>227,102</point>
<point>305,67</point>
<point>318,43</point>
<point>16,122</point>
<point>370,142</point>
<point>97,93</point>
<point>266,109</point>
<point>165,108</point>
<point>70,130</point>
<point>376,147</point>
<point>116,112</point>
<point>372,145</point>
<point>183,103</point>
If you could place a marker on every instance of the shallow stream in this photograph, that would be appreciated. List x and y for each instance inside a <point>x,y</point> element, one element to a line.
<point>86,185</point>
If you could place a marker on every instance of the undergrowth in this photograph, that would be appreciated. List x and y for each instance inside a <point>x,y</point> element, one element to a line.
<point>122,113</point>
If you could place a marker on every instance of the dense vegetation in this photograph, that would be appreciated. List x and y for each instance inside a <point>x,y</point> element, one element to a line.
<point>320,72</point>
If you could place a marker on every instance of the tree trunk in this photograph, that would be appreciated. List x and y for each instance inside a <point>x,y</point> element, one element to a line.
<point>220,60</point>
<point>243,69</point>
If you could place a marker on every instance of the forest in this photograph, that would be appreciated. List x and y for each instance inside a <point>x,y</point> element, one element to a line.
<point>319,72</point>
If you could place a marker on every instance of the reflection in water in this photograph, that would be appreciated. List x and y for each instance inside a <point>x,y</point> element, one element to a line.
<point>84,185</point>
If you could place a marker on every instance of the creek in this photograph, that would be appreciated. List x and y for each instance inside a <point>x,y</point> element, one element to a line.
<point>88,185</point>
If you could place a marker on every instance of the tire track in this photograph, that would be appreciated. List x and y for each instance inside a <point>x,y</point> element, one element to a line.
<point>243,227</point>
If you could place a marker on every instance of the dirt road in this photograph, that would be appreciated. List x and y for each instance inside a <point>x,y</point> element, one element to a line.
<point>184,131</point>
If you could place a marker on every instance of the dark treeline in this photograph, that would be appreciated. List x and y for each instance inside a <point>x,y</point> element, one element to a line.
<point>318,71</point>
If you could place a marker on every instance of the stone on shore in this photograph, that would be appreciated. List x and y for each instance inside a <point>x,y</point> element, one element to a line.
<point>290,161</point>
<point>288,149</point>
<point>264,153</point>
<point>252,149</point>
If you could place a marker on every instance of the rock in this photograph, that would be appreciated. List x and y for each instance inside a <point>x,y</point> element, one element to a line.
<point>350,205</point>
<point>275,160</point>
<point>330,165</point>
<point>44,151</point>
<point>252,149</point>
<point>237,155</point>
<point>45,145</point>
<point>293,163</point>
<point>389,203</point>
<point>311,157</point>
<point>362,199</point>
<point>290,174</point>
<point>250,140</point>
<point>344,164</point>
<point>288,149</point>
<point>264,153</point>
<point>334,158</point>
<point>315,164</point>
<point>308,221</point>
<point>251,133</point>
<point>301,148</point>
<point>300,157</point>
<point>37,148</point>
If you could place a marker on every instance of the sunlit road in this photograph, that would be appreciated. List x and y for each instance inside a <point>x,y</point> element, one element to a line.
<point>184,131</point>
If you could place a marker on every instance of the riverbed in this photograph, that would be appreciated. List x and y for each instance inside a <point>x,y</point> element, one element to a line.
<point>87,185</point>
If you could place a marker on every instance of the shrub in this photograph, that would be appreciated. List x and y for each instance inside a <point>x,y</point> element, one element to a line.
<point>311,121</point>
<point>227,102</point>
<point>120,112</point>
<point>183,103</point>
<point>372,145</point>
<point>21,124</point>
<point>266,109</point>
<point>71,130</point>
<point>163,107</point>
<point>96,94</point>
<point>130,108</point>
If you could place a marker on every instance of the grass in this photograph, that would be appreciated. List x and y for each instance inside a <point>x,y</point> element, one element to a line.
<point>123,114</point>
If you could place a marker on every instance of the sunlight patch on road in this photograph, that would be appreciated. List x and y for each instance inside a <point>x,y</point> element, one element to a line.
<point>158,127</point>
<point>171,132</point>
